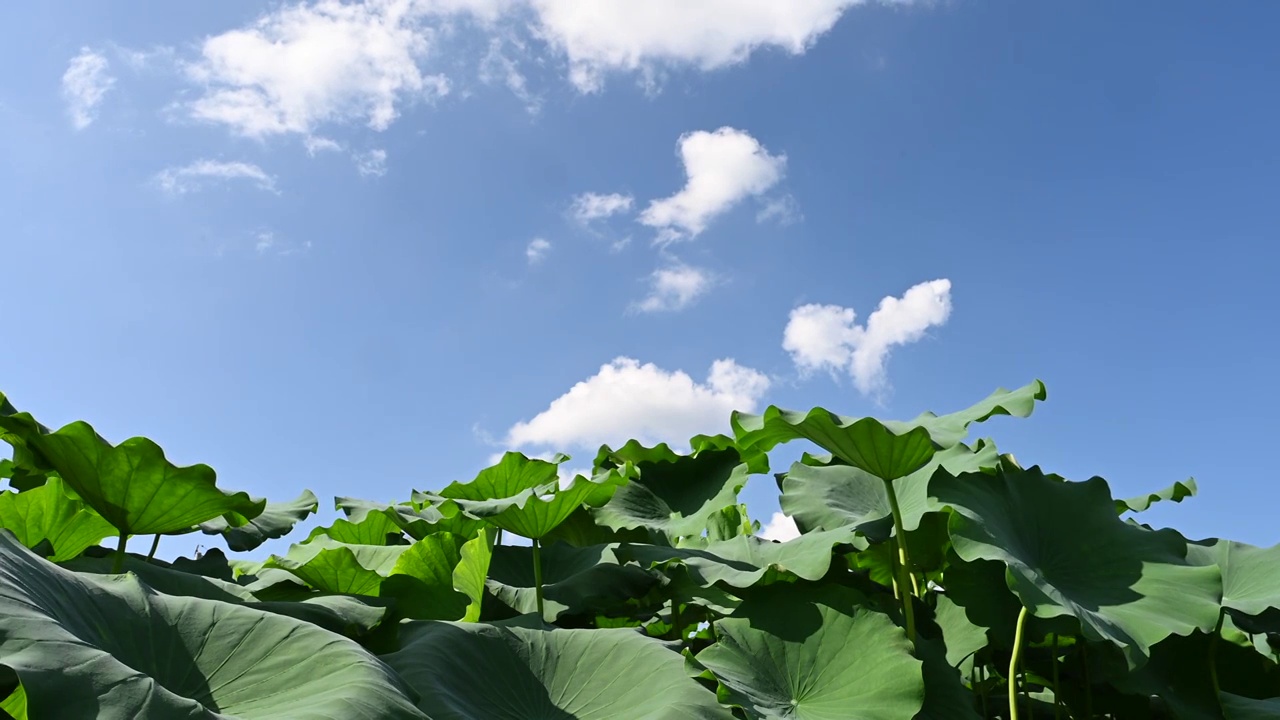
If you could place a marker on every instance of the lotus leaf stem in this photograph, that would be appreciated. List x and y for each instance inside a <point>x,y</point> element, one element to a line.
<point>1057,705</point>
<point>1213,653</point>
<point>117,565</point>
<point>155,545</point>
<point>1013,664</point>
<point>904,562</point>
<point>537,575</point>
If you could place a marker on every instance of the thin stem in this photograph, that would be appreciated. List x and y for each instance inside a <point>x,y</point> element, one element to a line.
<point>537,574</point>
<point>982,678</point>
<point>676,625</point>
<point>155,545</point>
<point>1213,654</point>
<point>497,540</point>
<point>904,563</point>
<point>1088,683</point>
<point>1013,664</point>
<point>117,565</point>
<point>1057,706</point>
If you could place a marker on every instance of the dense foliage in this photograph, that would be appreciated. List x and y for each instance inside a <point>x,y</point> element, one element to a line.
<point>933,578</point>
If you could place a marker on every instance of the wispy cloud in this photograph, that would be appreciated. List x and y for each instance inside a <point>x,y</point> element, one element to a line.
<point>827,337</point>
<point>371,164</point>
<point>590,206</point>
<point>674,288</point>
<point>181,180</point>
<point>498,67</point>
<point>537,250</point>
<point>84,85</point>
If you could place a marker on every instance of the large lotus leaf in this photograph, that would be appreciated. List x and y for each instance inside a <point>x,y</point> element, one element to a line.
<point>421,581</point>
<point>743,561</point>
<point>418,518</point>
<point>15,706</point>
<point>276,520</point>
<point>330,566</point>
<point>375,528</point>
<point>674,494</point>
<point>132,485</point>
<point>109,647</point>
<point>814,655</point>
<point>826,497</point>
<point>21,477</point>
<point>342,614</point>
<point>472,570</point>
<point>49,513</point>
<point>1250,581</point>
<point>886,449</point>
<point>1069,554</point>
<point>945,695</point>
<point>524,496</point>
<point>574,580</point>
<point>1176,492</point>
<point>582,529</point>
<point>961,637</point>
<point>730,522</point>
<point>555,674</point>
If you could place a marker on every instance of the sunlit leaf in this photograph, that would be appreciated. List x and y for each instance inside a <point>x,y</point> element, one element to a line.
<point>49,513</point>
<point>276,520</point>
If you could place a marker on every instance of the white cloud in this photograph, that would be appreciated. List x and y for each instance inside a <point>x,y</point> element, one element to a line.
<point>84,85</point>
<point>267,242</point>
<point>674,288</point>
<point>828,337</point>
<point>626,400</point>
<point>783,210</point>
<point>180,180</point>
<point>309,64</point>
<point>591,206</point>
<point>722,168</point>
<point>780,528</point>
<point>316,144</point>
<point>371,164</point>
<point>498,67</point>
<point>599,36</point>
<point>537,250</point>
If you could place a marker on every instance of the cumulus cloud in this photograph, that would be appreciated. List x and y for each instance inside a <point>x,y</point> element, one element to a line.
<point>316,144</point>
<point>371,164</point>
<point>537,250</point>
<point>84,85</point>
<point>674,288</point>
<point>308,64</point>
<point>626,400</point>
<point>780,528</point>
<point>590,206</point>
<point>647,35</point>
<point>722,168</point>
<point>827,337</point>
<point>181,180</point>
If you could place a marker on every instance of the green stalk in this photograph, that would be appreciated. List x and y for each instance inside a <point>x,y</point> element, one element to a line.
<point>1213,654</point>
<point>675,621</point>
<point>1013,664</point>
<point>982,678</point>
<point>117,565</point>
<point>1057,706</point>
<point>904,563</point>
<point>537,574</point>
<point>155,545</point>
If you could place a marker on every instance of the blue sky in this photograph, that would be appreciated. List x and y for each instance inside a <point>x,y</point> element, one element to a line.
<point>362,247</point>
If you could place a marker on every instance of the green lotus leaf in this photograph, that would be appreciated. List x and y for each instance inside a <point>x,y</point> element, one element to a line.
<point>581,529</point>
<point>15,706</point>
<point>730,522</point>
<point>816,655</point>
<point>330,566</point>
<point>418,518</point>
<point>1176,492</point>
<point>743,561</point>
<point>580,674</point>
<point>575,580</point>
<point>421,581</point>
<point>1067,553</point>
<point>961,637</point>
<point>73,641</point>
<point>524,496</point>
<point>1250,583</point>
<point>49,513</point>
<point>472,570</point>
<point>830,496</point>
<point>275,521</point>
<point>132,485</point>
<point>886,449</point>
<point>1235,707</point>
<point>674,494</point>
<point>375,528</point>
<point>945,695</point>
<point>345,615</point>
<point>21,477</point>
